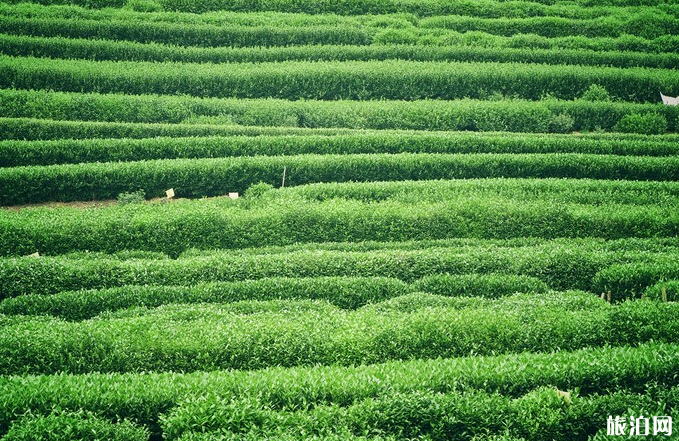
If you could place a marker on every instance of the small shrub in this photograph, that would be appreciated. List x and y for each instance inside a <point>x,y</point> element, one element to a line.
<point>135,197</point>
<point>561,123</point>
<point>257,190</point>
<point>646,124</point>
<point>596,93</point>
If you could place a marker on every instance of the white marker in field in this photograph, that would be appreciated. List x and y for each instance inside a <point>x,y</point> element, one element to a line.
<point>565,395</point>
<point>233,195</point>
<point>169,193</point>
<point>36,254</point>
<point>669,100</point>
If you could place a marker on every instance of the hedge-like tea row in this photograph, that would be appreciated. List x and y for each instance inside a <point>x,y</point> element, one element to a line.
<point>416,301</point>
<point>425,8</point>
<point>25,153</point>
<point>219,19</point>
<point>439,37</point>
<point>562,264</point>
<point>238,35</point>
<point>371,245</point>
<point>225,223</point>
<point>647,25</point>
<point>187,35</point>
<point>382,29</point>
<point>102,50</point>
<point>344,292</point>
<point>418,7</point>
<point>408,80</point>
<point>83,426</point>
<point>187,338</point>
<point>213,177</point>
<point>45,129</point>
<point>144,397</point>
<point>429,7</point>
<point>581,191</point>
<point>480,115</point>
<point>486,8</point>
<point>541,415</point>
<point>403,33</point>
<point>209,337</point>
<point>630,246</point>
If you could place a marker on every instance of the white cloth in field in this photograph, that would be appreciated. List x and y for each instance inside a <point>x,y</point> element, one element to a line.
<point>669,100</point>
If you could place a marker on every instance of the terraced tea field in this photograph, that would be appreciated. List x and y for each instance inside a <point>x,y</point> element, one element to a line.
<point>455,220</point>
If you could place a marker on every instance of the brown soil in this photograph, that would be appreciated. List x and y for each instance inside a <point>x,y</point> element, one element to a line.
<point>86,204</point>
<point>76,204</point>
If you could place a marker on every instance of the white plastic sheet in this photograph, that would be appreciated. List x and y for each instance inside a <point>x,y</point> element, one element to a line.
<point>669,100</point>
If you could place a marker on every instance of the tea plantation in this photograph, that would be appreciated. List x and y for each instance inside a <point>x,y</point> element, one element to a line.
<point>386,220</point>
